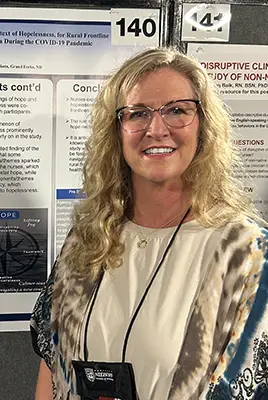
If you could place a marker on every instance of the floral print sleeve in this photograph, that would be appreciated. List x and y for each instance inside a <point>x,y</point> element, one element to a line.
<point>40,323</point>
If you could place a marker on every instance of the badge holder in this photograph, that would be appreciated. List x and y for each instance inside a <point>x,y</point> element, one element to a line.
<point>105,380</point>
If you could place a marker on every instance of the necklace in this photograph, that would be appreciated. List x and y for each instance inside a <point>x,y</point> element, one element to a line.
<point>143,243</point>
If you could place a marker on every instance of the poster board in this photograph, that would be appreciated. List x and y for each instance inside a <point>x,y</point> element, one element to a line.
<point>53,64</point>
<point>61,68</point>
<point>236,57</point>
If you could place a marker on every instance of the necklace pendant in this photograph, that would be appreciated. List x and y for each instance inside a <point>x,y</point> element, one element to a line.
<point>142,244</point>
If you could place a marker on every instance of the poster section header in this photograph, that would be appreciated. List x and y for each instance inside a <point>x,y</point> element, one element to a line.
<point>69,194</point>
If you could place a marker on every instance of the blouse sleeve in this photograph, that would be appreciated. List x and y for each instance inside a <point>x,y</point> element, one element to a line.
<point>245,374</point>
<point>40,323</point>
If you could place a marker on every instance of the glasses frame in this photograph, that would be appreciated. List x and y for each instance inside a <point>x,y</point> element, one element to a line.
<point>159,110</point>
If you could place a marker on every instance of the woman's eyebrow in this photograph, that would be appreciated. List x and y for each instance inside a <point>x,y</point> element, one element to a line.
<point>139,104</point>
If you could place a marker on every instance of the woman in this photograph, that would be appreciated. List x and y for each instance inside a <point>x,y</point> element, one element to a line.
<point>164,267</point>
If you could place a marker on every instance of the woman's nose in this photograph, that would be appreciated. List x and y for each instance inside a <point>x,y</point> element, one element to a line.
<point>157,126</point>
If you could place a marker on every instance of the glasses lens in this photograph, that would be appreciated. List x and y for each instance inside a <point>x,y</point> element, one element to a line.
<point>179,113</point>
<point>134,118</point>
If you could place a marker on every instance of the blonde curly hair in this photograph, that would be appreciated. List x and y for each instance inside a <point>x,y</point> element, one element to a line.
<point>98,220</point>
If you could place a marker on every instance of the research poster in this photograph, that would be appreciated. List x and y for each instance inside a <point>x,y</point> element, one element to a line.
<point>241,75</point>
<point>53,64</point>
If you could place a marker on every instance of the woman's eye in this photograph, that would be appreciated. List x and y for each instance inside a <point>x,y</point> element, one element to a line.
<point>137,114</point>
<point>175,110</point>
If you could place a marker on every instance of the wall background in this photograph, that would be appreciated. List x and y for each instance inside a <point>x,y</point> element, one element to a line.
<point>18,366</point>
<point>18,363</point>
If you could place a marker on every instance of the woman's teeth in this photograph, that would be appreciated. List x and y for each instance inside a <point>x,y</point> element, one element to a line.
<point>159,150</point>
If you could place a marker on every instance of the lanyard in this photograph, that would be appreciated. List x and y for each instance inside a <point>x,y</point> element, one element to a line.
<point>141,300</point>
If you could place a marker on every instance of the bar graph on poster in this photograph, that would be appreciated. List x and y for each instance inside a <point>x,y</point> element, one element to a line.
<point>53,64</point>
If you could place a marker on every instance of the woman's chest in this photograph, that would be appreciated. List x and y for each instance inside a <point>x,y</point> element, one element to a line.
<point>145,314</point>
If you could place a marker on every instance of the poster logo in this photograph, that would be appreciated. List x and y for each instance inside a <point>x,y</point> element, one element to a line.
<point>19,251</point>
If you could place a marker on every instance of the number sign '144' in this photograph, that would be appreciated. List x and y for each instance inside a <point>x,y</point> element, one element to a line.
<point>206,22</point>
<point>135,26</point>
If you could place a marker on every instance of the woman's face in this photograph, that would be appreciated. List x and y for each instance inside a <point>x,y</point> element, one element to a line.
<point>160,153</point>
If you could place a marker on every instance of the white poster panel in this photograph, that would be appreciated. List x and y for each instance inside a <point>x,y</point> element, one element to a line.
<point>75,98</point>
<point>53,63</point>
<point>241,74</point>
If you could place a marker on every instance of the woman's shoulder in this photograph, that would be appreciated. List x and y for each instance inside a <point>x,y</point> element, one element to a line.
<point>230,230</point>
<point>245,237</point>
<point>245,228</point>
<point>240,241</point>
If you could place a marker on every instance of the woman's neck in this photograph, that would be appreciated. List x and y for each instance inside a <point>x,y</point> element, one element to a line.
<point>158,206</point>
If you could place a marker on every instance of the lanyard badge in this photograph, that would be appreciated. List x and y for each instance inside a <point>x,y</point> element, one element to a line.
<point>105,380</point>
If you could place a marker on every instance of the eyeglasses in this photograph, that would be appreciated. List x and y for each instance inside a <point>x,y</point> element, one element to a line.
<point>176,114</point>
